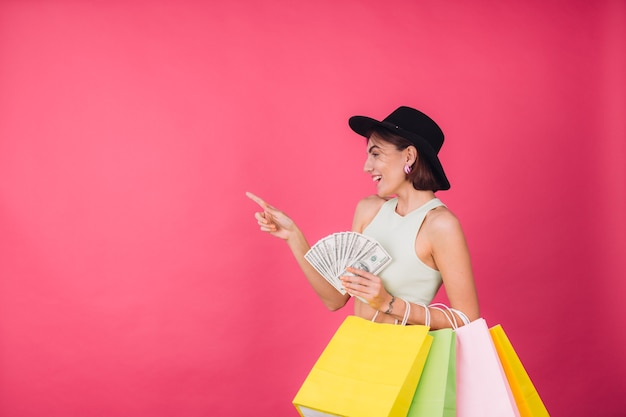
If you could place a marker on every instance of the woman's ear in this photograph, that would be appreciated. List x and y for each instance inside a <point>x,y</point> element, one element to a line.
<point>411,155</point>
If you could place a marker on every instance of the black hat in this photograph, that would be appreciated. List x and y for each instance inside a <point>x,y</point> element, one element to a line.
<point>415,126</point>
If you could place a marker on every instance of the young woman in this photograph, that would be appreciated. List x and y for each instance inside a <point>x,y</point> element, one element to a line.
<point>423,237</point>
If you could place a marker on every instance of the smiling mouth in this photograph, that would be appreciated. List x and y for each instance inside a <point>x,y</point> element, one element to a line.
<point>376,178</point>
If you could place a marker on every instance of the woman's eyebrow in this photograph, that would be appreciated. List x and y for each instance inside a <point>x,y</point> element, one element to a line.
<point>372,147</point>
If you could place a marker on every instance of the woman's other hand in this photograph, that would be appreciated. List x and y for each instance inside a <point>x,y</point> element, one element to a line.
<point>272,220</point>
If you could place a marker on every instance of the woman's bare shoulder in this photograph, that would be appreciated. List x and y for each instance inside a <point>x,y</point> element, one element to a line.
<point>443,222</point>
<point>366,210</point>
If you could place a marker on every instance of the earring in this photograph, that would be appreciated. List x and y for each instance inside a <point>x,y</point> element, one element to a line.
<point>407,169</point>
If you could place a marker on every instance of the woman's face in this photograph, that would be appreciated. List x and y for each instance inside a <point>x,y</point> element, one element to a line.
<point>385,164</point>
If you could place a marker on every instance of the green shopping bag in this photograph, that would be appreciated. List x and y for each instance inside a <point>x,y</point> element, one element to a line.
<point>435,395</point>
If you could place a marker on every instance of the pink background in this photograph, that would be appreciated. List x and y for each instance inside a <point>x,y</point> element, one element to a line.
<point>133,280</point>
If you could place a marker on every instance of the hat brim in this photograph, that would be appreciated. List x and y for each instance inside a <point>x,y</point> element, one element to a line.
<point>363,125</point>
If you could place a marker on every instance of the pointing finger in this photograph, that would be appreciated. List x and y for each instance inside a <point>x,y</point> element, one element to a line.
<point>270,210</point>
<point>257,199</point>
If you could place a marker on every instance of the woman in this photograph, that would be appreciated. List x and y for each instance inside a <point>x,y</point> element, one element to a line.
<point>423,237</point>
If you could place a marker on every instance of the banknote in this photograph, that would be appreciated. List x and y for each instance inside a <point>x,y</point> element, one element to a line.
<point>331,255</point>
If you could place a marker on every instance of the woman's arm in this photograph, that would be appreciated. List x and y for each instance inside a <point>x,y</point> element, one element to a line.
<point>278,224</point>
<point>452,258</point>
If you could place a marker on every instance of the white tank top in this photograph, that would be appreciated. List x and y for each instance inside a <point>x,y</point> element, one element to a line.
<point>406,277</point>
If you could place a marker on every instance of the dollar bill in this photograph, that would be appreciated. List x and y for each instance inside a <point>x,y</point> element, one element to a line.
<point>331,255</point>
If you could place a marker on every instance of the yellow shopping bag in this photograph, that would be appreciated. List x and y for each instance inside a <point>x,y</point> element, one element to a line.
<point>526,396</point>
<point>367,370</point>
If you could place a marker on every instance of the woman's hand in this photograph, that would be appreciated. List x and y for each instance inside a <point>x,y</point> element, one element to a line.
<point>272,220</point>
<point>368,287</point>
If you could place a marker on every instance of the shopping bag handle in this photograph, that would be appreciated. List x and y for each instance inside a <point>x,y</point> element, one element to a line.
<point>449,313</point>
<point>450,317</point>
<point>426,314</point>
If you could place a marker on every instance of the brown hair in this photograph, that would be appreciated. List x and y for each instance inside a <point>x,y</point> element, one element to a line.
<point>421,175</point>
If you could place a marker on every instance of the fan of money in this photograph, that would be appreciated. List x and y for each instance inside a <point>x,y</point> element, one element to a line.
<point>331,255</point>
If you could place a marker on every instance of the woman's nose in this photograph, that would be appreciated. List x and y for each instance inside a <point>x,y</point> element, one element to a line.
<point>368,166</point>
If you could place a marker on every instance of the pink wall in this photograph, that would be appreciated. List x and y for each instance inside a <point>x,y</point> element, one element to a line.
<point>133,280</point>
